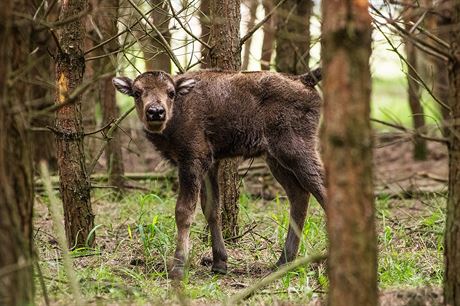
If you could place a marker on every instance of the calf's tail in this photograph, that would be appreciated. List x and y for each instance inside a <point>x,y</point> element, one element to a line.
<point>311,78</point>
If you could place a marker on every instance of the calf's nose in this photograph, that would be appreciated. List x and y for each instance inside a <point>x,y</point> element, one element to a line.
<point>155,113</point>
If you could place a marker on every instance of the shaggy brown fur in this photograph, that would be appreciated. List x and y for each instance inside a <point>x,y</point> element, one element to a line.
<point>197,118</point>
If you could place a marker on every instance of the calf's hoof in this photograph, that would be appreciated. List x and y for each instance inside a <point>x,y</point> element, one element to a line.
<point>176,273</point>
<point>219,267</point>
<point>282,261</point>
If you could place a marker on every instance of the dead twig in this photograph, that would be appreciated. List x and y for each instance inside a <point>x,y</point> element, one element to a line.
<point>259,24</point>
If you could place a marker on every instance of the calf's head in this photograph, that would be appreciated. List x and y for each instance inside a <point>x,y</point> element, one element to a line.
<point>154,93</point>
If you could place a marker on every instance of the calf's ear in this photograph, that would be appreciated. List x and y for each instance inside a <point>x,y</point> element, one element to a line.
<point>184,86</point>
<point>123,85</point>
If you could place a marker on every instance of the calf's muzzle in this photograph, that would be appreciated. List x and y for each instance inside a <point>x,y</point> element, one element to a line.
<point>155,113</point>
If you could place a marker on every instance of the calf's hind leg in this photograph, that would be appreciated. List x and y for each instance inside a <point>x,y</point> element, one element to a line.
<point>303,161</point>
<point>211,210</point>
<point>298,198</point>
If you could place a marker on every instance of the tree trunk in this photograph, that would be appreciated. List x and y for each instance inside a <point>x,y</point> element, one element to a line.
<point>413,91</point>
<point>269,36</point>
<point>74,182</point>
<point>293,36</point>
<point>42,142</point>
<point>252,5</point>
<point>16,177</point>
<point>155,57</point>
<point>205,22</point>
<point>452,243</point>
<point>224,36</point>
<point>107,12</point>
<point>346,48</point>
<point>441,85</point>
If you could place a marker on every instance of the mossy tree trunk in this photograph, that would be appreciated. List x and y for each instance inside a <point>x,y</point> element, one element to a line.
<point>452,235</point>
<point>74,181</point>
<point>346,48</point>
<point>16,177</point>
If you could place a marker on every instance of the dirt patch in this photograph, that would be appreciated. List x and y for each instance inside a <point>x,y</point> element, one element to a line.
<point>396,171</point>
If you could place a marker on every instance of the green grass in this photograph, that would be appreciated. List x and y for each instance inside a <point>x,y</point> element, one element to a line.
<point>135,241</point>
<point>390,103</point>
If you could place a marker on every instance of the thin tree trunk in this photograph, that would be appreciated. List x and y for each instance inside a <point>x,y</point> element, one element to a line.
<point>16,177</point>
<point>225,18</point>
<point>413,90</point>
<point>293,36</point>
<point>252,5</point>
<point>107,12</point>
<point>155,57</point>
<point>269,36</point>
<point>452,235</point>
<point>74,182</point>
<point>346,48</point>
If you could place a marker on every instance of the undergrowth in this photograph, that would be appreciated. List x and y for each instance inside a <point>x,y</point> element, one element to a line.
<point>135,241</point>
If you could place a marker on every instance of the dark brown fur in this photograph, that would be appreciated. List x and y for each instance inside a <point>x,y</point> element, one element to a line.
<point>215,115</point>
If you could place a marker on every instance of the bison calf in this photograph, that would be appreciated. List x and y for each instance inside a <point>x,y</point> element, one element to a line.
<point>197,118</point>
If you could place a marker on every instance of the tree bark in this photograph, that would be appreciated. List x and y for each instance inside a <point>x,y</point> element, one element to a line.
<point>346,48</point>
<point>293,36</point>
<point>16,175</point>
<point>155,57</point>
<point>225,37</point>
<point>413,90</point>
<point>452,235</point>
<point>107,12</point>
<point>252,5</point>
<point>269,36</point>
<point>74,182</point>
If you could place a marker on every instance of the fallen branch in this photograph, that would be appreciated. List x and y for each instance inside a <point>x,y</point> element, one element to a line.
<point>273,277</point>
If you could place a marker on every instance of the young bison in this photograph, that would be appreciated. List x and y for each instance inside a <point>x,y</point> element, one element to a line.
<point>197,118</point>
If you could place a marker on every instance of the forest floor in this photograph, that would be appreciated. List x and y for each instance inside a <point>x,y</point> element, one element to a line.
<point>135,241</point>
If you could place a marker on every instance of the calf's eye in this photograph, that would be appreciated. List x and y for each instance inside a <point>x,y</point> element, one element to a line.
<point>171,94</point>
<point>136,95</point>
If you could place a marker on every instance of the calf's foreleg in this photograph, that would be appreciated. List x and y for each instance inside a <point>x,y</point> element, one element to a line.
<point>190,176</point>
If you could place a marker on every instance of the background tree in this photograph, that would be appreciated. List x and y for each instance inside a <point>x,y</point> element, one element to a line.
<point>252,5</point>
<point>106,22</point>
<point>43,142</point>
<point>269,36</point>
<point>346,48</point>
<point>452,235</point>
<point>205,23</point>
<point>74,182</point>
<point>293,36</point>
<point>16,177</point>
<point>225,54</point>
<point>413,88</point>
<point>155,57</point>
